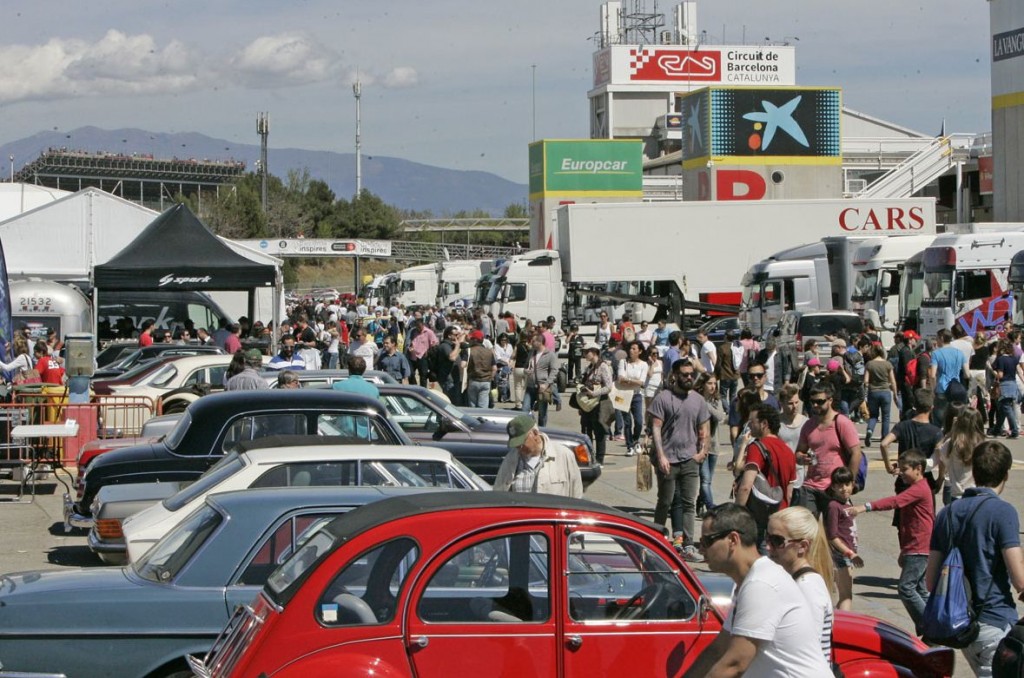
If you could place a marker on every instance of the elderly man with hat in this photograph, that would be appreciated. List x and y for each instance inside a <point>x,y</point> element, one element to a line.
<point>535,464</point>
<point>249,379</point>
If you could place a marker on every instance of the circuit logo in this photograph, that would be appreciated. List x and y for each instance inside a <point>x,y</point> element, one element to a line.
<point>772,119</point>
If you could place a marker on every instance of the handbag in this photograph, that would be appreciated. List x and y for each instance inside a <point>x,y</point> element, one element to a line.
<point>587,403</point>
<point>620,399</point>
<point>644,467</point>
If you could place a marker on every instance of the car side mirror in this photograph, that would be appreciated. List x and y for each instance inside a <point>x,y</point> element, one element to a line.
<point>703,608</point>
<point>444,427</point>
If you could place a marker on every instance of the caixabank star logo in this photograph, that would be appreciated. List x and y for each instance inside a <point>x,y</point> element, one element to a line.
<point>775,122</point>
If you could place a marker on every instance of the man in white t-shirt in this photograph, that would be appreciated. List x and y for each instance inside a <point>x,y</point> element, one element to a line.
<point>769,631</point>
<point>708,352</point>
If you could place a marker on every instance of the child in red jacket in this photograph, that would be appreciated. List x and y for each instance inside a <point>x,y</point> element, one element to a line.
<point>917,515</point>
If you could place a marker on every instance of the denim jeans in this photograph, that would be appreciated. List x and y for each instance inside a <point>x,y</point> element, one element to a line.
<point>1007,413</point>
<point>685,475</point>
<point>879,400</point>
<point>980,653</point>
<point>633,420</point>
<point>911,588</point>
<point>707,474</point>
<point>479,394</point>
<point>727,389</point>
<point>530,396</point>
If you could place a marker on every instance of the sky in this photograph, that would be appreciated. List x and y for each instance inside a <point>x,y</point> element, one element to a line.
<point>450,83</point>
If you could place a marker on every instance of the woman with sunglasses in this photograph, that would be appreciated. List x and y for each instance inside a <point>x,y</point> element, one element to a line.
<point>797,543</point>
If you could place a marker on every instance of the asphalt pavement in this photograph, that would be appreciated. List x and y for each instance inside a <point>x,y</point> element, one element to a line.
<point>33,536</point>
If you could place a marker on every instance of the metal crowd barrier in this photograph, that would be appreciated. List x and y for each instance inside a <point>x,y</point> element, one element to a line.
<point>104,417</point>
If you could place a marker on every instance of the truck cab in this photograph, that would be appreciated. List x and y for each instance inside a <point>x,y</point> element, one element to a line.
<point>911,292</point>
<point>791,280</point>
<point>878,274</point>
<point>966,281</point>
<point>528,285</point>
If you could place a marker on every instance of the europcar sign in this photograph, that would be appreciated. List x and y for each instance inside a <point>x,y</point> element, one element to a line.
<point>606,167</point>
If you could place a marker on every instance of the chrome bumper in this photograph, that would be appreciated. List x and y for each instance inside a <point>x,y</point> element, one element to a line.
<point>72,519</point>
<point>24,674</point>
<point>194,663</point>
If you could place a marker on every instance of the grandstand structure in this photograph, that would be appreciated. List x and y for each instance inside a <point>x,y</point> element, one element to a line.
<point>138,177</point>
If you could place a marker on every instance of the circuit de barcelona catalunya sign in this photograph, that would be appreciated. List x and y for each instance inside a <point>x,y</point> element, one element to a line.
<point>704,65</point>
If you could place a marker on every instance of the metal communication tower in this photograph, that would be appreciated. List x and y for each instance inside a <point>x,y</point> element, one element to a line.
<point>263,129</point>
<point>357,92</point>
<point>639,26</point>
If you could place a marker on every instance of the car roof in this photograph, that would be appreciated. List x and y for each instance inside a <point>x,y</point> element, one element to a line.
<point>322,374</point>
<point>277,499</point>
<point>232,402</point>
<point>267,455</point>
<point>381,512</point>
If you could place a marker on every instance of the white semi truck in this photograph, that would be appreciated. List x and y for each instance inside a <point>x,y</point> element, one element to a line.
<point>680,257</point>
<point>879,268</point>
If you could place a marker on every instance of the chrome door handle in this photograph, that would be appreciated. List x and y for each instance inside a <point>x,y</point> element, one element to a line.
<point>420,642</point>
<point>574,642</point>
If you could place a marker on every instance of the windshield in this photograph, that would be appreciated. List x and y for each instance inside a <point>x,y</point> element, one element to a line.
<point>452,410</point>
<point>177,434</point>
<point>911,290</point>
<point>164,375</point>
<point>162,563</point>
<point>938,288</point>
<point>821,325</point>
<point>225,468</point>
<point>865,285</point>
<point>316,545</point>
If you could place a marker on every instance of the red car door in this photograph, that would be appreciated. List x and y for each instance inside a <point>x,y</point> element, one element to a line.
<point>484,607</point>
<point>628,607</point>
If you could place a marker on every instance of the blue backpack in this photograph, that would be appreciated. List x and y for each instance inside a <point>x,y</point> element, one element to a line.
<point>949,616</point>
<point>862,470</point>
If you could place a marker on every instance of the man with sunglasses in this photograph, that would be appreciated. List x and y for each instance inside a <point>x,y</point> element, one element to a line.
<point>769,630</point>
<point>681,429</point>
<point>827,441</point>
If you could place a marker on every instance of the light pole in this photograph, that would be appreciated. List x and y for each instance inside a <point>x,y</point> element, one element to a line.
<point>12,168</point>
<point>357,92</point>
<point>263,129</point>
<point>533,91</point>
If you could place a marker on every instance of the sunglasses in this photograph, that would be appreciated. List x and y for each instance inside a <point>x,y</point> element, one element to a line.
<point>708,539</point>
<point>818,401</point>
<point>777,541</point>
<point>756,375</point>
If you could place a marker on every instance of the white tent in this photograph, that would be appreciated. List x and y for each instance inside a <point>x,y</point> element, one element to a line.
<point>64,239</point>
<point>18,198</point>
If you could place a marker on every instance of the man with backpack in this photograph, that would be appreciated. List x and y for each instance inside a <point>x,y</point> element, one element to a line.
<point>769,457</point>
<point>828,440</point>
<point>948,365</point>
<point>987,531</point>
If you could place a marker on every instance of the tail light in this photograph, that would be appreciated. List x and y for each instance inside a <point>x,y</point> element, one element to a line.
<point>109,529</point>
<point>582,454</point>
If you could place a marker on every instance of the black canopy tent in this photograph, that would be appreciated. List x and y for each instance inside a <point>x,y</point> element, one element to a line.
<point>177,252</point>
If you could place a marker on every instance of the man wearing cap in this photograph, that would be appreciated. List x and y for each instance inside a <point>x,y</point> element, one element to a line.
<point>535,464</point>
<point>249,379</point>
<point>904,344</point>
<point>481,367</point>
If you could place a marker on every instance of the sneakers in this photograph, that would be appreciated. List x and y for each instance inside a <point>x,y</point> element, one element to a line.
<point>631,452</point>
<point>691,554</point>
<point>867,440</point>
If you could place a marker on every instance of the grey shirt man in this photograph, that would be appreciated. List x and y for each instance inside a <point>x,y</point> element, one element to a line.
<point>681,422</point>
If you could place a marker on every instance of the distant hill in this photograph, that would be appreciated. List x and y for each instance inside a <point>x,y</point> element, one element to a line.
<point>404,184</point>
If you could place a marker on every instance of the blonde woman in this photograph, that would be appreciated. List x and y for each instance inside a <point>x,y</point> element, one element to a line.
<point>22,362</point>
<point>796,541</point>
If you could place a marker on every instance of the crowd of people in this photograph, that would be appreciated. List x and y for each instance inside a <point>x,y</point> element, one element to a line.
<point>934,407</point>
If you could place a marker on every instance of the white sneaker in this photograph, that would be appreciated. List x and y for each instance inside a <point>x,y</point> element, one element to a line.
<point>631,452</point>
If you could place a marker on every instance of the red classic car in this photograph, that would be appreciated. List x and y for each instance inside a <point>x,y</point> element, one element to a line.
<point>501,584</point>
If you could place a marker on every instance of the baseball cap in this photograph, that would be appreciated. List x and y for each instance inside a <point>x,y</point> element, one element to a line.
<point>833,365</point>
<point>518,429</point>
<point>839,342</point>
<point>253,354</point>
<point>476,335</point>
<point>911,334</point>
<point>814,362</point>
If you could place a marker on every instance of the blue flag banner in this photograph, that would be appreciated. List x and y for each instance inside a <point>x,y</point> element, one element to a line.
<point>6,322</point>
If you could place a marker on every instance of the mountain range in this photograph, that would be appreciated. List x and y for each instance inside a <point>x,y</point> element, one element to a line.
<point>401,183</point>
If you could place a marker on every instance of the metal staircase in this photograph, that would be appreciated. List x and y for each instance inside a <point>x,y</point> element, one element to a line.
<point>916,172</point>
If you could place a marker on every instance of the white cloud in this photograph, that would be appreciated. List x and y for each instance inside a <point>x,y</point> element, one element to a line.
<point>116,64</point>
<point>282,60</point>
<point>119,64</point>
<point>403,76</point>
